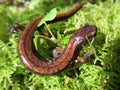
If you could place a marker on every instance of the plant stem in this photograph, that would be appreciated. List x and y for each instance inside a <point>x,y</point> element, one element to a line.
<point>54,39</point>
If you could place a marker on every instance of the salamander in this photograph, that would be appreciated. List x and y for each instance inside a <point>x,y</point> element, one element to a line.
<point>36,63</point>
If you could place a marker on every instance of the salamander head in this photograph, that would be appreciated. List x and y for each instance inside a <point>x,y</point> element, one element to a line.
<point>88,31</point>
<point>84,33</point>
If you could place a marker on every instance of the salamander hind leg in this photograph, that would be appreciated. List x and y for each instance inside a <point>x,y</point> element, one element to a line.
<point>15,27</point>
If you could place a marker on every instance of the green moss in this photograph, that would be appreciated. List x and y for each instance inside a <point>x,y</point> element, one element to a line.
<point>102,71</point>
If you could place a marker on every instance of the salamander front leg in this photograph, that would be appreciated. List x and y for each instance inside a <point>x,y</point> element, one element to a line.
<point>57,52</point>
<point>85,58</point>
